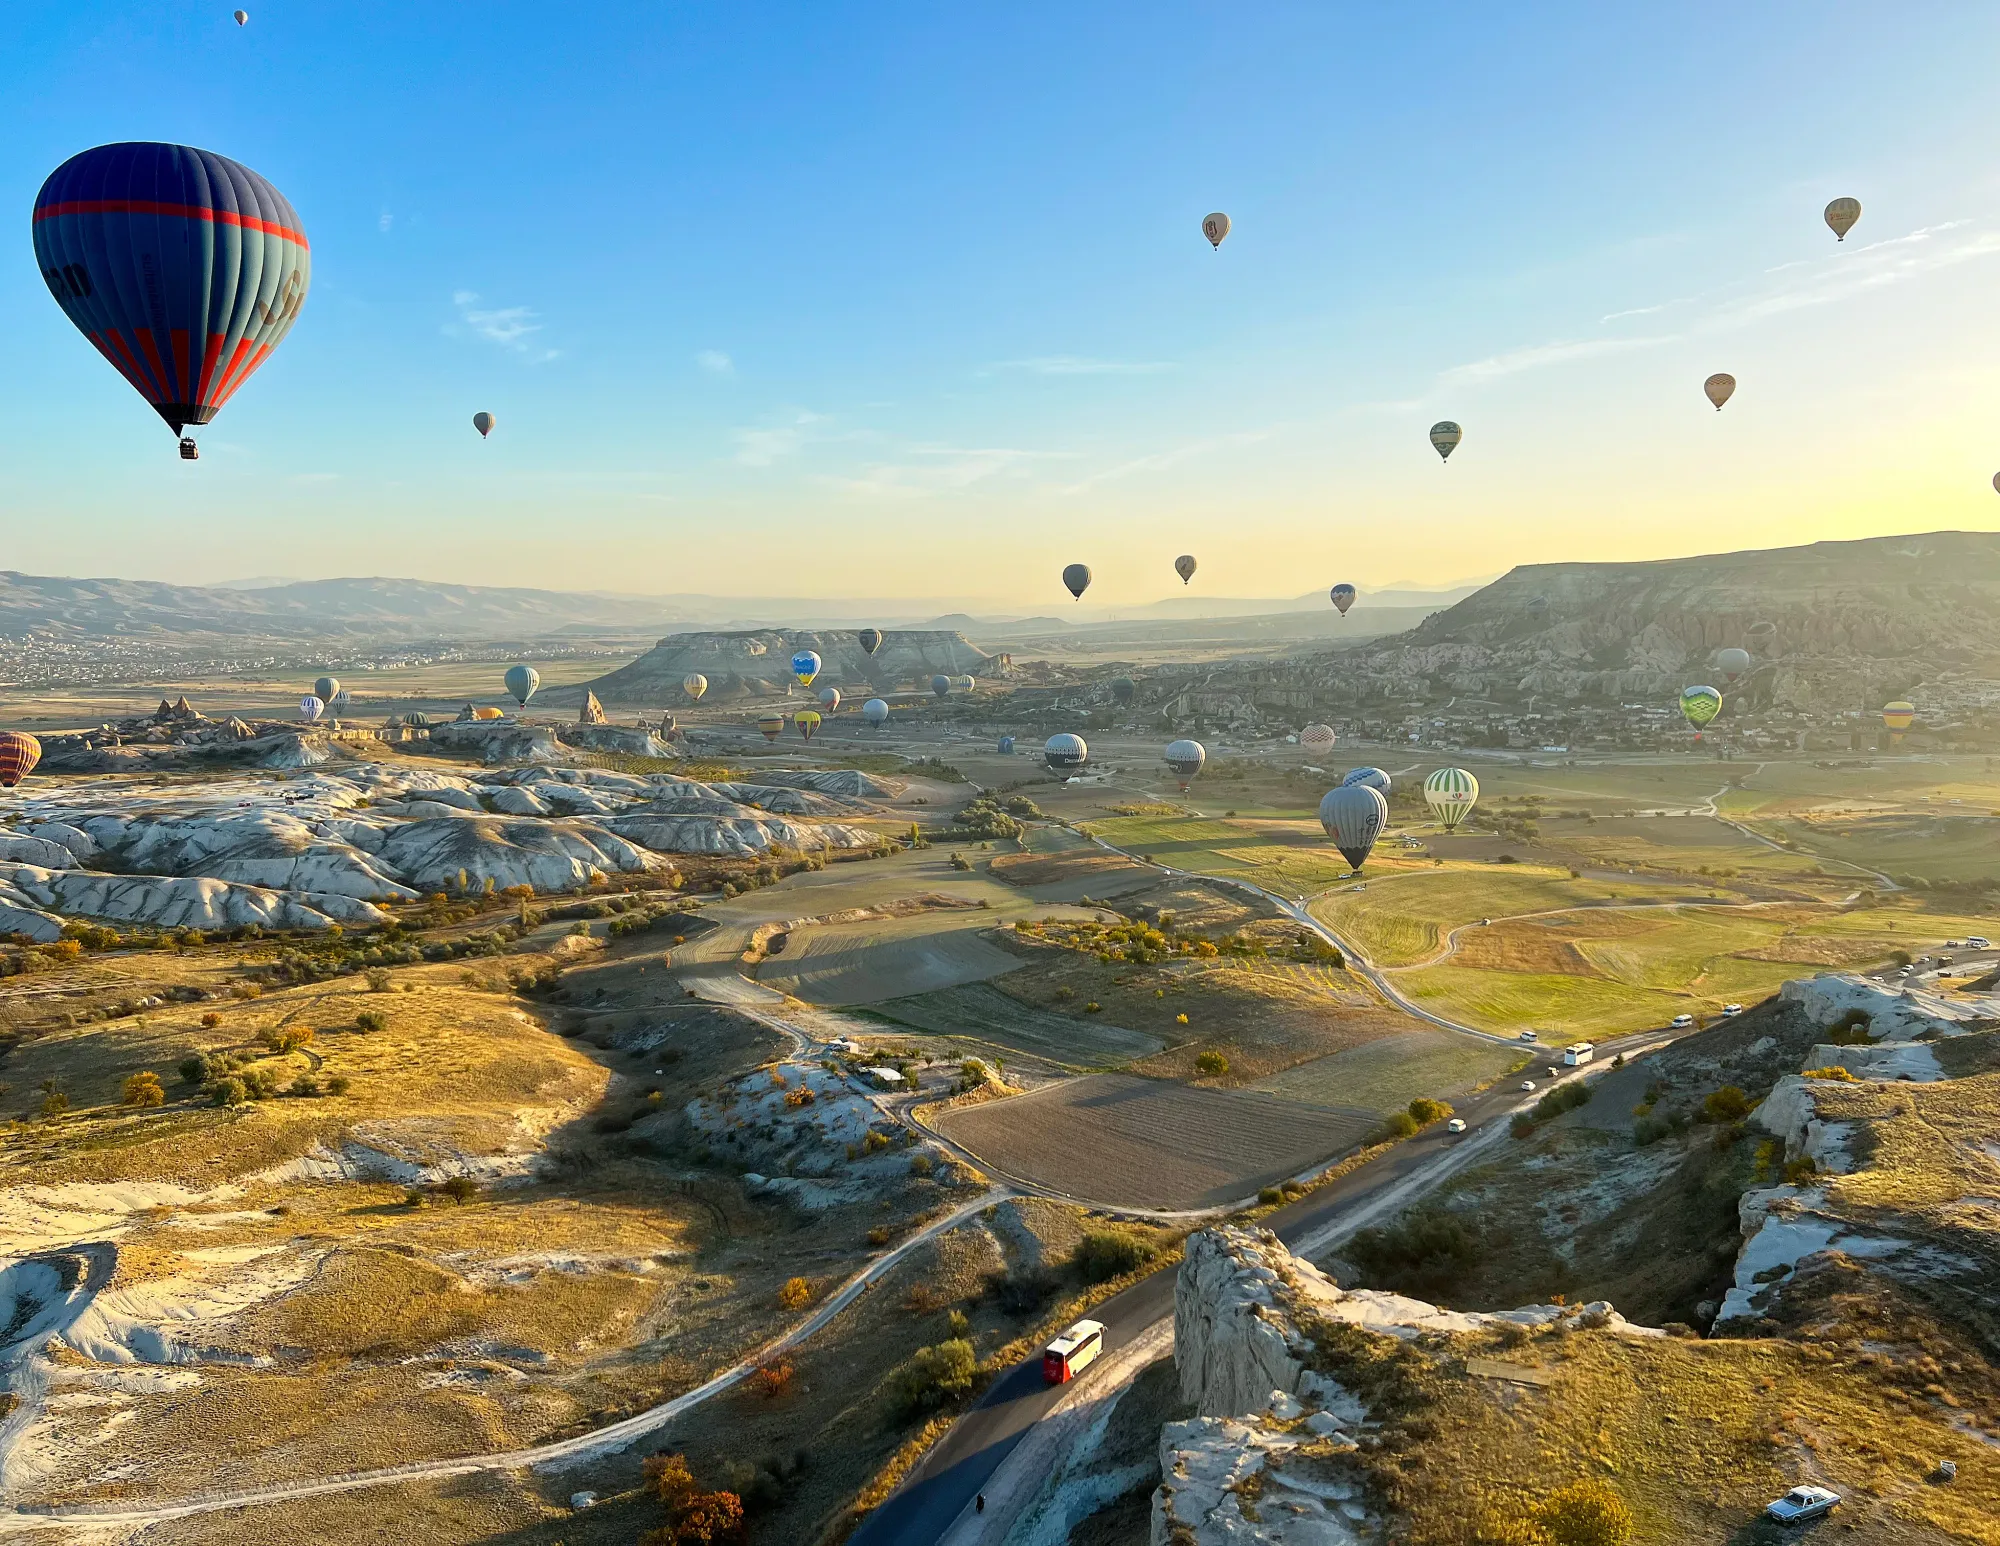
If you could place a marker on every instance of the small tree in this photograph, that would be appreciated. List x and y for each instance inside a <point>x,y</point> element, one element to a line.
<point>378,979</point>
<point>1210,1065</point>
<point>211,1020</point>
<point>143,1089</point>
<point>371,1020</point>
<point>193,1068</point>
<point>796,1294</point>
<point>934,1375</point>
<point>1424,1110</point>
<point>1111,1253</point>
<point>460,1189</point>
<point>55,1100</point>
<point>1585,1513</point>
<point>1728,1104</point>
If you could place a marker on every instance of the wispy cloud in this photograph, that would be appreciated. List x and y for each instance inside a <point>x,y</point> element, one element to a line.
<point>939,469</point>
<point>1539,356</point>
<point>1159,461</point>
<point>715,362</point>
<point>1079,365</point>
<point>1892,261</point>
<point>384,221</point>
<point>770,444</point>
<point>511,327</point>
<point>1642,311</point>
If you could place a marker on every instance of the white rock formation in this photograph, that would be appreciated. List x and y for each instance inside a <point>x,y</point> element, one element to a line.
<point>1895,1013</point>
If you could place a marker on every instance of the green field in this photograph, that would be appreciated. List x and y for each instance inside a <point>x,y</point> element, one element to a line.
<point>1387,1075</point>
<point>1560,1007</point>
<point>1290,858</point>
<point>1400,920</point>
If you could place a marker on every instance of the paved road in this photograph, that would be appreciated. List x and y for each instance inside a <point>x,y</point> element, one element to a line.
<point>944,1484</point>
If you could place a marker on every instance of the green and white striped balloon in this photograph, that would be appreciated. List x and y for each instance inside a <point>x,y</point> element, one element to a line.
<point>1451,792</point>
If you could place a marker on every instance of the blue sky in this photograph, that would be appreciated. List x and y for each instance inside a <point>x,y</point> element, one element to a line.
<point>911,300</point>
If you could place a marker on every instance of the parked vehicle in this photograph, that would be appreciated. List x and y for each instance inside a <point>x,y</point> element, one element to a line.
<point>1801,1504</point>
<point>1072,1352</point>
<point>1525,1036</point>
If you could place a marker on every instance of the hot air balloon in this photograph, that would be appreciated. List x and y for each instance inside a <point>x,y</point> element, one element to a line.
<point>941,686</point>
<point>486,711</point>
<point>19,752</point>
<point>694,684</point>
<point>242,17</point>
<point>341,701</point>
<point>1123,689</point>
<point>805,666</point>
<point>1006,747</point>
<point>1354,816</point>
<point>963,684</point>
<point>1700,705</point>
<point>1762,634</point>
<point>808,722</point>
<point>829,699</point>
<point>1840,217</point>
<point>1451,792</point>
<point>1342,597</point>
<point>1215,227</point>
<point>1077,578</point>
<point>1718,387</point>
<point>1372,778</point>
<point>1184,567</point>
<point>1316,738</point>
<point>875,711</point>
<point>1996,482</point>
<point>773,725</point>
<point>325,688</point>
<point>1185,758</point>
<point>183,268</point>
<point>522,681</point>
<point>1065,751</point>
<point>1446,435</point>
<point>870,640</point>
<point>416,719</point>
<point>1732,662</point>
<point>483,422</point>
<point>1896,719</point>
<point>311,706</point>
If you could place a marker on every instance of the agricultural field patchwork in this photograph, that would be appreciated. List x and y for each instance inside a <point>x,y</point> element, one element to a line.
<point>1386,1075</point>
<point>982,1015</point>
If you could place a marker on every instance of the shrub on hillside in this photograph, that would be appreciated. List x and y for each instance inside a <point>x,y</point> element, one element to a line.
<point>1111,1253</point>
<point>1426,1253</point>
<point>796,1294</point>
<point>460,1189</point>
<point>371,1020</point>
<point>931,1376</point>
<point>1211,1064</point>
<point>1564,1097</point>
<point>1399,1124</point>
<point>1728,1104</point>
<point>1585,1513</point>
<point>211,1019</point>
<point>1522,1126</point>
<point>143,1089</point>
<point>1424,1110</point>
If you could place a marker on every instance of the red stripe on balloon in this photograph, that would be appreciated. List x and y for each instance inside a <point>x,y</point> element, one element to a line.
<point>232,373</point>
<point>156,364</point>
<point>132,371</point>
<point>249,369</point>
<point>182,211</point>
<point>208,359</point>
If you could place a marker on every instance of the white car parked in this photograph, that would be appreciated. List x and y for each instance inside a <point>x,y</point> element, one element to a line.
<point>1801,1504</point>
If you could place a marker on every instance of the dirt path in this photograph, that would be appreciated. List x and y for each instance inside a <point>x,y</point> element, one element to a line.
<point>1451,939</point>
<point>585,1446</point>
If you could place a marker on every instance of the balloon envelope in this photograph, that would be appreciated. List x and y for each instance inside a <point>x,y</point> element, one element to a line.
<point>1840,217</point>
<point>1354,816</point>
<point>1446,435</point>
<point>1006,746</point>
<point>242,17</point>
<point>963,684</point>
<point>325,688</point>
<point>1077,578</point>
<point>870,640</point>
<point>941,686</point>
<point>1451,792</point>
<point>1732,662</point>
<point>483,422</point>
<point>829,698</point>
<point>1897,716</point>
<point>1699,705</point>
<point>694,684</point>
<point>1373,778</point>
<point>1718,387</point>
<point>875,711</point>
<point>183,268</point>
<point>805,666</point>
<point>1184,567</point>
<point>311,706</point>
<point>808,722</point>
<point>1316,738</point>
<point>1215,227</point>
<point>1066,751</point>
<point>1123,688</point>
<point>1342,597</point>
<point>521,682</point>
<point>773,725</point>
<point>1185,758</point>
<point>19,752</point>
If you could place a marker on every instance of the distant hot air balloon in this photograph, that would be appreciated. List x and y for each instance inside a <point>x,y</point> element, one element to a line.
<point>1123,689</point>
<point>870,640</point>
<point>311,706</point>
<point>1354,816</point>
<point>417,719</point>
<point>1185,758</point>
<point>829,699</point>
<point>1840,217</point>
<point>1451,792</point>
<point>805,666</point>
<point>341,701</point>
<point>808,722</point>
<point>1996,482</point>
<point>185,269</point>
<point>1316,738</point>
<point>1732,662</point>
<point>1699,705</point>
<point>876,712</point>
<point>19,752</point>
<point>1719,387</point>
<point>1896,719</point>
<point>1215,227</point>
<point>1006,747</point>
<point>1077,578</point>
<point>242,17</point>
<point>522,681</point>
<point>1446,435</point>
<point>1762,634</point>
<point>1342,597</point>
<point>1184,567</point>
<point>694,684</point>
<point>941,686</point>
<point>483,422</point>
<point>773,725</point>
<point>325,688</point>
<point>486,711</point>
<point>1373,778</point>
<point>1065,751</point>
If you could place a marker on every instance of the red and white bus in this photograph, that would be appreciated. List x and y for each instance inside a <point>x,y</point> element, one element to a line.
<point>1072,1352</point>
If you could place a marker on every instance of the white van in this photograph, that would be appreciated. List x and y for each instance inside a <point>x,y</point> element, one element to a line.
<point>1577,1056</point>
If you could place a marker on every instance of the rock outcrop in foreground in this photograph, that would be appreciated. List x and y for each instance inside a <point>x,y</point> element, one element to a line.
<point>1264,1458</point>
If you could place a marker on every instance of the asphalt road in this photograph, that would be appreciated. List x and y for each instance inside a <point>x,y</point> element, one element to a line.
<point>946,1480</point>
